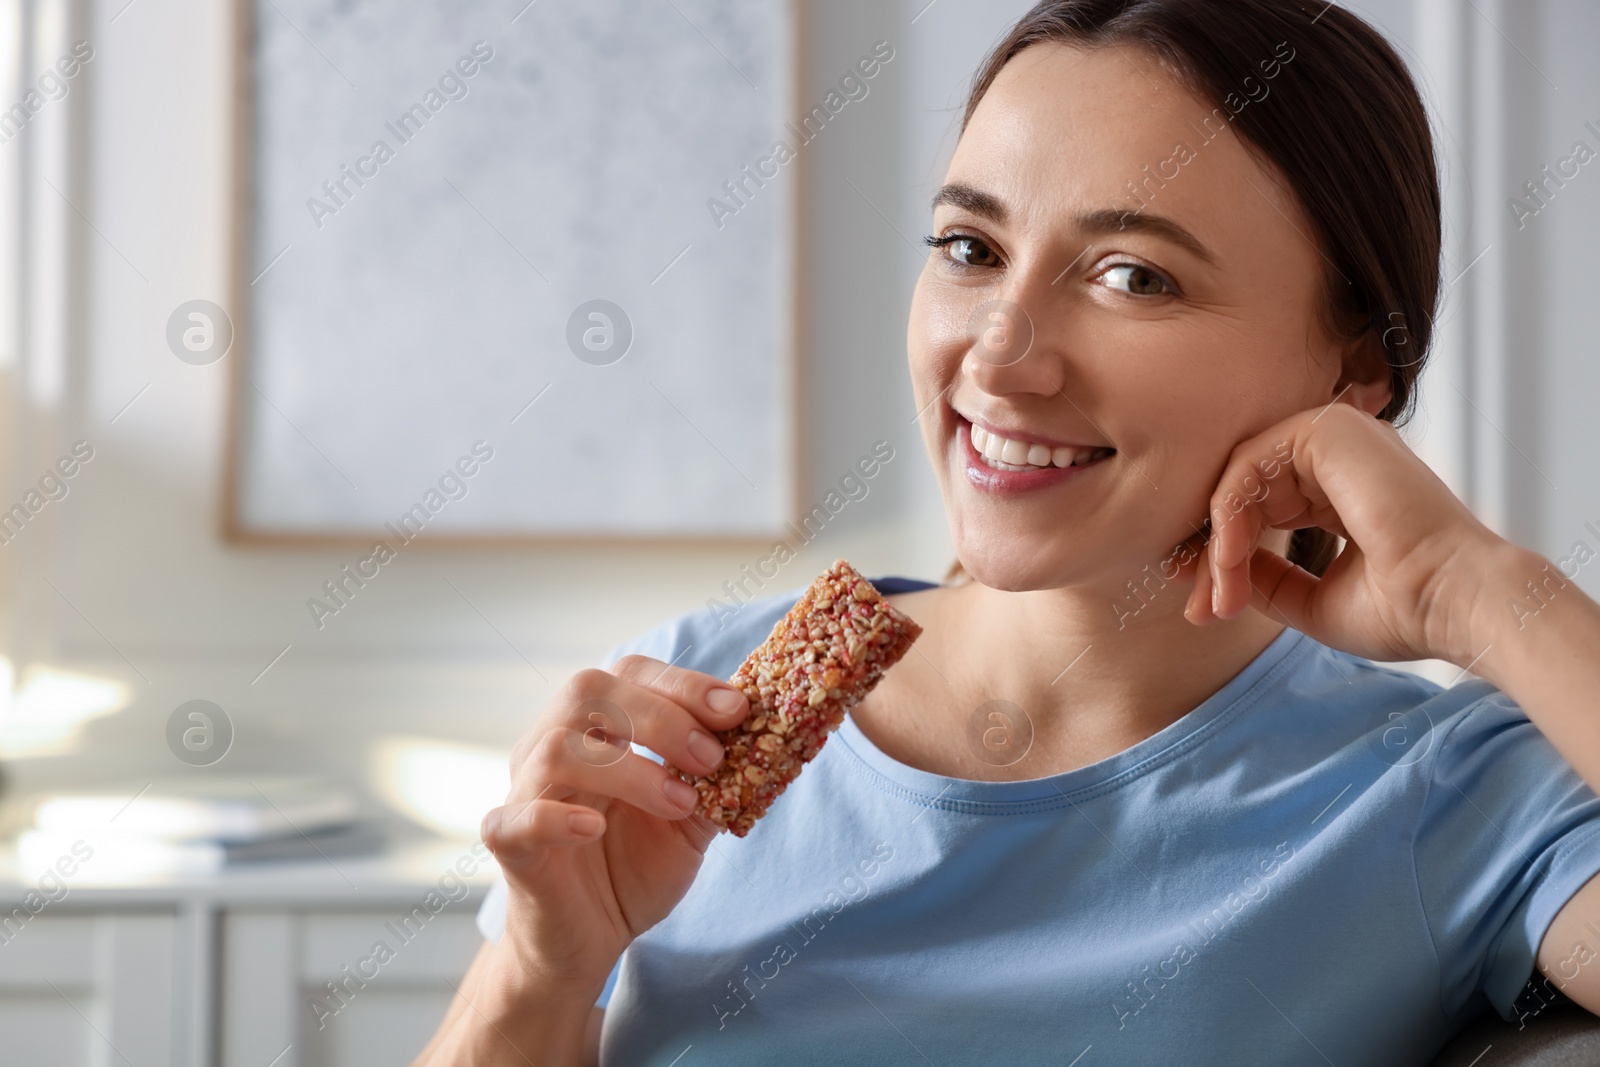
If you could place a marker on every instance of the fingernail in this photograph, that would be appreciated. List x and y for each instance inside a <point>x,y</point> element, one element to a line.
<point>491,825</point>
<point>705,749</point>
<point>585,823</point>
<point>680,794</point>
<point>724,701</point>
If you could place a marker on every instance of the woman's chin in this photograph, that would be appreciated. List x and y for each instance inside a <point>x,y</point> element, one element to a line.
<point>1013,570</point>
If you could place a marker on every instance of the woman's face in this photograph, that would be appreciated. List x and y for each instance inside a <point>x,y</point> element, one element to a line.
<point>1136,338</point>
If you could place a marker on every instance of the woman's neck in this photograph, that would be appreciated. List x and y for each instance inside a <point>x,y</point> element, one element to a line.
<point>1093,677</point>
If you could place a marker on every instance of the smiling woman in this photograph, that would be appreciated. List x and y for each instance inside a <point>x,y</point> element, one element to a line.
<point>1211,826</point>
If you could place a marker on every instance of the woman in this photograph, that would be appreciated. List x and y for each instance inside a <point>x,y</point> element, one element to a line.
<point>1141,791</point>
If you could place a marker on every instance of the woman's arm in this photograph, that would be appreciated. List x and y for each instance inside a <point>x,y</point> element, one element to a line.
<point>1569,955</point>
<point>591,1037</point>
<point>1542,649</point>
<point>492,1021</point>
<point>1420,578</point>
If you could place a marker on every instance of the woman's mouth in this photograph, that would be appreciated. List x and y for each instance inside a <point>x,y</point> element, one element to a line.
<point>999,463</point>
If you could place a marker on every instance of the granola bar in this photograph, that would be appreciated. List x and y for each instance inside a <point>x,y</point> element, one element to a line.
<point>818,662</point>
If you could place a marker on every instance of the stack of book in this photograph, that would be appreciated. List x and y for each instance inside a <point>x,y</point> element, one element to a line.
<point>194,826</point>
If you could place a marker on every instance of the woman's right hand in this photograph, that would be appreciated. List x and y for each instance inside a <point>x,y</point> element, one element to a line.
<point>597,843</point>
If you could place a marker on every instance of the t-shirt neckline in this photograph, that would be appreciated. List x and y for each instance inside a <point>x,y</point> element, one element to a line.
<point>1081,783</point>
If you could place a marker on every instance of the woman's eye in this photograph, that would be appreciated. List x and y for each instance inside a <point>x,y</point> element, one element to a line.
<point>1132,278</point>
<point>965,250</point>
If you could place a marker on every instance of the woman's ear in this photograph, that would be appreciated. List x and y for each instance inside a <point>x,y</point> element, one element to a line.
<point>1364,375</point>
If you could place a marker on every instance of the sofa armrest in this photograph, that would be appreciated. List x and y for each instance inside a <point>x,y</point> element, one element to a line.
<point>1563,1036</point>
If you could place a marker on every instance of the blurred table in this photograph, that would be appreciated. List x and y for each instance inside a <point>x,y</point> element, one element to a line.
<point>339,961</point>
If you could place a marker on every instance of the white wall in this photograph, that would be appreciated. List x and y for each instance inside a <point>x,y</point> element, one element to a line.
<point>1558,249</point>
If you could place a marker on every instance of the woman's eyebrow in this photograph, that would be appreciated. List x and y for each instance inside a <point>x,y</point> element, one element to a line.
<point>1095,223</point>
<point>961,195</point>
<point>1120,220</point>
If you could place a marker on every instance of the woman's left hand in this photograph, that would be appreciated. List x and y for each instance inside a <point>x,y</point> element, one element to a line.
<point>1406,584</point>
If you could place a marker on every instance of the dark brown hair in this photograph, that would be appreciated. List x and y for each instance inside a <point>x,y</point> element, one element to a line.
<point>1341,121</point>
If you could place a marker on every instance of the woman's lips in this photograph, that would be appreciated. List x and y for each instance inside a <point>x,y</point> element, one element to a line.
<point>985,474</point>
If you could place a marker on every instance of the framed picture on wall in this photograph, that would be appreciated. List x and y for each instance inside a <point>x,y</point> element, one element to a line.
<point>516,275</point>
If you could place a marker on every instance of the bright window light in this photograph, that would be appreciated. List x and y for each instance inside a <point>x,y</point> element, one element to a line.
<point>443,785</point>
<point>45,715</point>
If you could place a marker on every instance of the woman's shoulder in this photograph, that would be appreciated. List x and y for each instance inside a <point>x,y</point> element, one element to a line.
<point>715,639</point>
<point>1404,718</point>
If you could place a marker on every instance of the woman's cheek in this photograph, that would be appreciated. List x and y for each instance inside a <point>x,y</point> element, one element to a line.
<point>933,353</point>
<point>1173,420</point>
<point>941,313</point>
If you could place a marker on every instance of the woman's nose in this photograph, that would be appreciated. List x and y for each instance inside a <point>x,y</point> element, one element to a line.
<point>1012,350</point>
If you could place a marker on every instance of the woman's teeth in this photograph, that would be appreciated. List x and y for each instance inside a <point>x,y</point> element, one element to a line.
<point>1009,455</point>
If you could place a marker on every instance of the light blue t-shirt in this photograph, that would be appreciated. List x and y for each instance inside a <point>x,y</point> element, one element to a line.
<point>1327,860</point>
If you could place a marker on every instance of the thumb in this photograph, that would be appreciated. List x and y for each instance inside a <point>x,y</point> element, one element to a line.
<point>699,831</point>
<point>1282,591</point>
